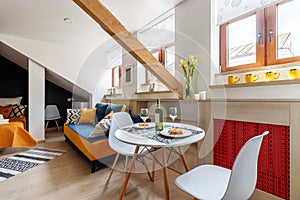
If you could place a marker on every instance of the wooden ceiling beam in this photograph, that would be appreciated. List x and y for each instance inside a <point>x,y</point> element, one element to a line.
<point>130,43</point>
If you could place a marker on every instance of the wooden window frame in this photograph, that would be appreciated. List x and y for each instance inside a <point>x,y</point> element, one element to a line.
<point>119,67</point>
<point>266,51</point>
<point>271,47</point>
<point>161,57</point>
<point>260,53</point>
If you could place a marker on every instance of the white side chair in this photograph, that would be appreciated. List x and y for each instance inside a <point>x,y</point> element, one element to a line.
<point>214,183</point>
<point>120,120</point>
<point>52,113</point>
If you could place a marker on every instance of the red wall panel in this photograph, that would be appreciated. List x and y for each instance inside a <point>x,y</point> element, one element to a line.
<point>273,163</point>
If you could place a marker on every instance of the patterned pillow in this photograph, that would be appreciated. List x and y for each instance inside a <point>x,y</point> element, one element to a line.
<point>5,111</point>
<point>17,111</point>
<point>73,116</point>
<point>99,130</point>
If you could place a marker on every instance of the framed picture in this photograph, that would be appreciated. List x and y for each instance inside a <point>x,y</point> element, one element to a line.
<point>128,74</point>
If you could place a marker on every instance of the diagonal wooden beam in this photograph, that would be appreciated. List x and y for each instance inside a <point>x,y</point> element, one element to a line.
<point>115,29</point>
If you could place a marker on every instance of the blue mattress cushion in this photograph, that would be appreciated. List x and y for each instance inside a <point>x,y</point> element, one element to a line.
<point>84,131</point>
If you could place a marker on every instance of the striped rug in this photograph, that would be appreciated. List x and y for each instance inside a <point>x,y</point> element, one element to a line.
<point>16,164</point>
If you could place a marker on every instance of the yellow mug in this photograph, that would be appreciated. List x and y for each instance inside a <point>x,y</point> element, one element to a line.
<point>250,78</point>
<point>233,79</point>
<point>271,76</point>
<point>294,73</point>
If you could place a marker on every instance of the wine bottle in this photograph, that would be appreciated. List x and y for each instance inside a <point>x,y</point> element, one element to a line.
<point>158,117</point>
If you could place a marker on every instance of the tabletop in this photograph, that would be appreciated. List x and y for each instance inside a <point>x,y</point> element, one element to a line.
<point>138,135</point>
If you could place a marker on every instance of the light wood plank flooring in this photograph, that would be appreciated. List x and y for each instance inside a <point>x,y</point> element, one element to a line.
<point>69,177</point>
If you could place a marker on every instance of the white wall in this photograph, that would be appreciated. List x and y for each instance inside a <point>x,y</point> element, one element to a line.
<point>193,37</point>
<point>291,91</point>
<point>65,61</point>
<point>36,100</point>
<point>93,69</point>
<point>129,89</point>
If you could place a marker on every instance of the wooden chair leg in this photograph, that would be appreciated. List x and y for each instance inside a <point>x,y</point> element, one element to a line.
<point>57,126</point>
<point>128,173</point>
<point>46,126</point>
<point>165,174</point>
<point>113,167</point>
<point>126,163</point>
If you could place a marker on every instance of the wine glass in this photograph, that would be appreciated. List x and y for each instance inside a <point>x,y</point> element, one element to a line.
<point>144,115</point>
<point>173,114</point>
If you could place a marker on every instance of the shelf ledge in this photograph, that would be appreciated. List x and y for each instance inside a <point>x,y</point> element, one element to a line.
<point>262,83</point>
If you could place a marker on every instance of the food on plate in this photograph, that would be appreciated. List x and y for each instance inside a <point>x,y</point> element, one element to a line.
<point>175,131</point>
<point>143,124</point>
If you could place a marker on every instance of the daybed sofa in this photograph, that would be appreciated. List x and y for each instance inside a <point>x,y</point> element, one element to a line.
<point>96,150</point>
<point>13,131</point>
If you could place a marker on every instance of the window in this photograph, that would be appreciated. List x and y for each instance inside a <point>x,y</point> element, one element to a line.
<point>286,47</point>
<point>170,59</point>
<point>166,56</point>
<point>267,37</point>
<point>116,76</point>
<point>242,51</point>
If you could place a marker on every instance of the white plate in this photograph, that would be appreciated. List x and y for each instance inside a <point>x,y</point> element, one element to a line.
<point>137,125</point>
<point>185,133</point>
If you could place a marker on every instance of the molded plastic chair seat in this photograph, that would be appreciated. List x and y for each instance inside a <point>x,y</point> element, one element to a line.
<point>51,113</point>
<point>203,185</point>
<point>120,120</point>
<point>212,182</point>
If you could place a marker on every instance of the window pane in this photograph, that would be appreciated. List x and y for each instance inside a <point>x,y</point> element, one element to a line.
<point>288,30</point>
<point>116,76</point>
<point>151,77</point>
<point>156,54</point>
<point>170,59</point>
<point>242,42</point>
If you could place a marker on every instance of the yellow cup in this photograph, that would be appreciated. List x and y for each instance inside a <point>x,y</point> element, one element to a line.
<point>250,78</point>
<point>294,73</point>
<point>233,79</point>
<point>271,76</point>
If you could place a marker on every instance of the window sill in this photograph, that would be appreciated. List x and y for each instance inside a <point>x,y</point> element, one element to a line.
<point>262,83</point>
<point>154,92</point>
<point>255,69</point>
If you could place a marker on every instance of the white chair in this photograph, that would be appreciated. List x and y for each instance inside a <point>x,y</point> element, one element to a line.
<point>120,120</point>
<point>52,113</point>
<point>214,183</point>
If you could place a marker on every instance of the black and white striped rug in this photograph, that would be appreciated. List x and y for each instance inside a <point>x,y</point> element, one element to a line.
<point>16,164</point>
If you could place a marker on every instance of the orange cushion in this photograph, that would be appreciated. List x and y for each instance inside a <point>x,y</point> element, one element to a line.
<point>87,116</point>
<point>5,110</point>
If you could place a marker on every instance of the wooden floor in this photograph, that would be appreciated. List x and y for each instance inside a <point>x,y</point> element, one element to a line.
<point>69,177</point>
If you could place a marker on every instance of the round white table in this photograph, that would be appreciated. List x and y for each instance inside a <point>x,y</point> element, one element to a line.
<point>148,137</point>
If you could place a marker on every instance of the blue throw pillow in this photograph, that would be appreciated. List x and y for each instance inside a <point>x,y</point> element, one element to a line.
<point>100,112</point>
<point>136,118</point>
<point>114,107</point>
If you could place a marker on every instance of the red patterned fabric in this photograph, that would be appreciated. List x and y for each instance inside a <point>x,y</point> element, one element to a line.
<point>274,158</point>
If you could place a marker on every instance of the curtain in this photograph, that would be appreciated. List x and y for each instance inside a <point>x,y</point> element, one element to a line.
<point>230,9</point>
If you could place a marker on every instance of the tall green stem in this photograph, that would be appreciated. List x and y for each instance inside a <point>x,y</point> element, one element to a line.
<point>188,93</point>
